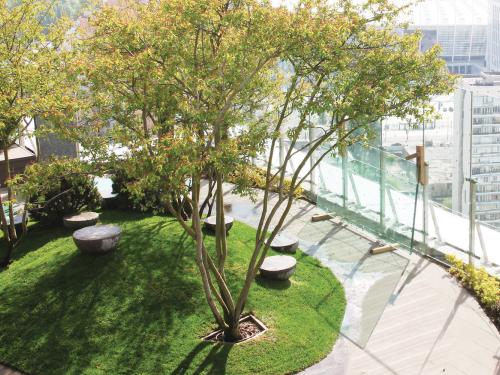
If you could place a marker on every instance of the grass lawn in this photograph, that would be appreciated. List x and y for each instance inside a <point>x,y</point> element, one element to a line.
<point>141,309</point>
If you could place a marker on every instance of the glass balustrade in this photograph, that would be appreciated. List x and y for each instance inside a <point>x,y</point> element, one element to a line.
<point>377,191</point>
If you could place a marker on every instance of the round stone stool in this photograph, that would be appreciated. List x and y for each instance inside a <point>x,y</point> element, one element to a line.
<point>210,223</point>
<point>81,220</point>
<point>285,243</point>
<point>97,238</point>
<point>278,267</point>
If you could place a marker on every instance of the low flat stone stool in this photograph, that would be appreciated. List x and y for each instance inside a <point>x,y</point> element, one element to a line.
<point>97,238</point>
<point>80,220</point>
<point>210,221</point>
<point>278,267</point>
<point>285,243</point>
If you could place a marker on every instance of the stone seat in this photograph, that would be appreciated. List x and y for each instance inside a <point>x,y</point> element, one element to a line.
<point>278,267</point>
<point>97,238</point>
<point>210,223</point>
<point>80,220</point>
<point>285,243</point>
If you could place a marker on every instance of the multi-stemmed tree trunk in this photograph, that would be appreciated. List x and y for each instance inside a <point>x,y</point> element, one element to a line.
<point>224,80</point>
<point>33,82</point>
<point>211,267</point>
<point>7,222</point>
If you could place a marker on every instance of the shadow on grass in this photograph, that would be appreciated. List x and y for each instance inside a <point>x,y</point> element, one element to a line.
<point>214,362</point>
<point>272,284</point>
<point>211,233</point>
<point>81,311</point>
<point>37,236</point>
<point>141,308</point>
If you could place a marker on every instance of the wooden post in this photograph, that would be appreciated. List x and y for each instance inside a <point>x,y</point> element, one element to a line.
<point>421,170</point>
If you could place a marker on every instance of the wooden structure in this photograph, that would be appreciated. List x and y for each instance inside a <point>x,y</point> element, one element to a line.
<point>19,158</point>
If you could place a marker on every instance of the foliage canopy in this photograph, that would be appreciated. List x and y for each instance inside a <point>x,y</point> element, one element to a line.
<point>196,89</point>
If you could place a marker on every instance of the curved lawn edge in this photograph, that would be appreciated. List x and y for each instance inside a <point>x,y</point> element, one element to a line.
<point>141,308</point>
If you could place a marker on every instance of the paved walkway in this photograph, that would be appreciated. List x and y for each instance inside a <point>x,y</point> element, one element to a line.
<point>429,325</point>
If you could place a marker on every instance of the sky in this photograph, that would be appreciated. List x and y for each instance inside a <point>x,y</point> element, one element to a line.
<point>432,12</point>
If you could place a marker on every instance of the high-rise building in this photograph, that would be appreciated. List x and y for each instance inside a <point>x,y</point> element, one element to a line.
<point>459,26</point>
<point>493,53</point>
<point>477,146</point>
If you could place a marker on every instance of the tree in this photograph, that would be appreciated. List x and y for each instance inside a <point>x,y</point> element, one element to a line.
<point>33,82</point>
<point>218,82</point>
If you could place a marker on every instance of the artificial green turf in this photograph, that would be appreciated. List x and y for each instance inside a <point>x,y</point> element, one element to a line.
<point>141,309</point>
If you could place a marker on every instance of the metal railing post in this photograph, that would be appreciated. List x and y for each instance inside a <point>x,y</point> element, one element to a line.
<point>282,148</point>
<point>436,224</point>
<point>472,219</point>
<point>344,180</point>
<point>382,189</point>
<point>312,161</point>
<point>486,260</point>
<point>425,195</point>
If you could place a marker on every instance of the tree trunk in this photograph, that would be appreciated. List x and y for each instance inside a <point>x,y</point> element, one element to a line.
<point>6,259</point>
<point>210,206</point>
<point>232,333</point>
<point>210,197</point>
<point>9,229</point>
<point>12,228</point>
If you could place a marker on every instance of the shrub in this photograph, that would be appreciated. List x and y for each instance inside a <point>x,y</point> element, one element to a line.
<point>254,177</point>
<point>57,188</point>
<point>483,285</point>
<point>134,197</point>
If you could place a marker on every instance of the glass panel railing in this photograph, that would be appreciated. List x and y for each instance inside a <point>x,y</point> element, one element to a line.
<point>488,246</point>
<point>376,191</point>
<point>373,189</point>
<point>448,233</point>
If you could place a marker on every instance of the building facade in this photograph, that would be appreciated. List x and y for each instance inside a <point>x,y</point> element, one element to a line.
<point>493,53</point>
<point>477,147</point>
<point>460,27</point>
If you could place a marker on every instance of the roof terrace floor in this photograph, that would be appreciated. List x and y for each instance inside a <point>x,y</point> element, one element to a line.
<point>405,315</point>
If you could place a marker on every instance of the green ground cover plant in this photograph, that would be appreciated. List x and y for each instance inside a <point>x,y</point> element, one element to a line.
<point>485,287</point>
<point>141,309</point>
